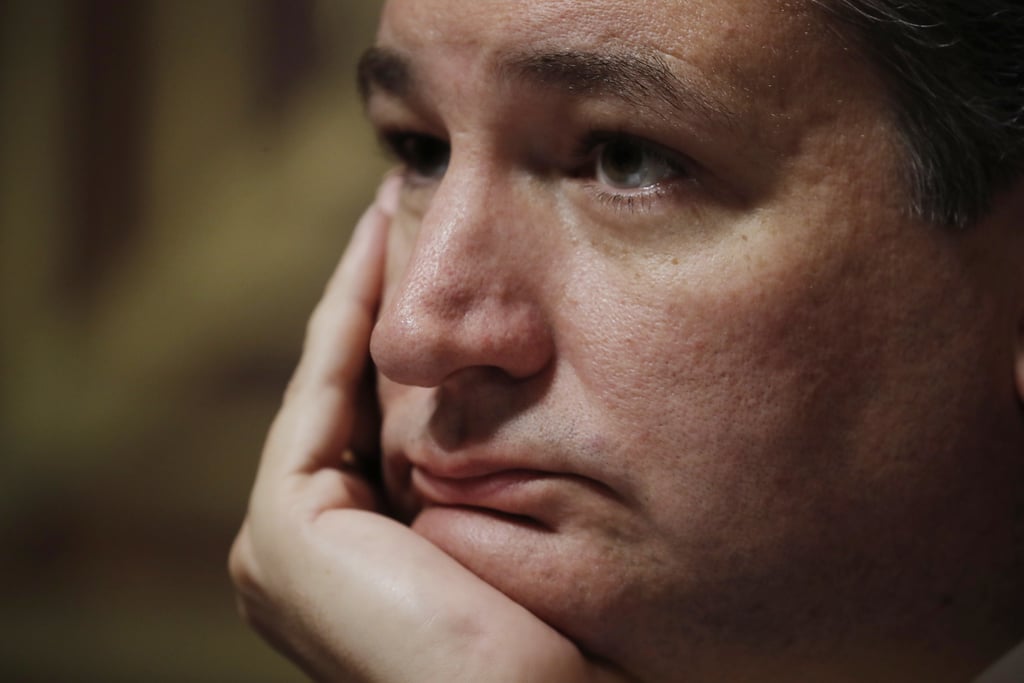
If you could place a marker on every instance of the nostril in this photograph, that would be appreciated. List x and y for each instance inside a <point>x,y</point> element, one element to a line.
<point>426,347</point>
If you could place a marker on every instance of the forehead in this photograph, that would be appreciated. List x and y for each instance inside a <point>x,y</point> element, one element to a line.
<point>793,91</point>
<point>750,50</point>
<point>593,22</point>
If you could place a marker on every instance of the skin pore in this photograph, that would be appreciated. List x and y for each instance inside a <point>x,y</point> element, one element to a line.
<point>663,358</point>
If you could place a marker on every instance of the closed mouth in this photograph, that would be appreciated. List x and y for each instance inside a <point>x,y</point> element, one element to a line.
<point>503,491</point>
<point>538,498</point>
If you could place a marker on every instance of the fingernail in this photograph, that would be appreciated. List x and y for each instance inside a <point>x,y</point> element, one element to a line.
<point>388,194</point>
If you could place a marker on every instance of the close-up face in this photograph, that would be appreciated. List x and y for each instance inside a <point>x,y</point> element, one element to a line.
<point>662,354</point>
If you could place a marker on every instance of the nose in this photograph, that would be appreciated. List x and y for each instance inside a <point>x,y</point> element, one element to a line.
<point>471,295</point>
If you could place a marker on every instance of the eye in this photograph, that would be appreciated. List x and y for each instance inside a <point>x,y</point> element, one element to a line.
<point>626,163</point>
<point>424,155</point>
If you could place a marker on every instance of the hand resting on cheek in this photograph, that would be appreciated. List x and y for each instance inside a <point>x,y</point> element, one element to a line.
<point>344,591</point>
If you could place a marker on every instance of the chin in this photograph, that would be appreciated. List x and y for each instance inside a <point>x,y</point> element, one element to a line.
<point>574,583</point>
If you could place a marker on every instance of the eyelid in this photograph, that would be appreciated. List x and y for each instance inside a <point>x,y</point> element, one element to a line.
<point>390,139</point>
<point>593,141</point>
<point>393,139</point>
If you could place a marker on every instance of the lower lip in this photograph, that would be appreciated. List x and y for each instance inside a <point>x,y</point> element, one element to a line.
<point>474,534</point>
<point>520,493</point>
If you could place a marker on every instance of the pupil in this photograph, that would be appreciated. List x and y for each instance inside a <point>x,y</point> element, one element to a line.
<point>428,156</point>
<point>434,153</point>
<point>624,159</point>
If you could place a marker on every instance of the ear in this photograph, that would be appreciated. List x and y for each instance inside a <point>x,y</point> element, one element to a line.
<point>1008,218</point>
<point>1019,360</point>
<point>1017,228</point>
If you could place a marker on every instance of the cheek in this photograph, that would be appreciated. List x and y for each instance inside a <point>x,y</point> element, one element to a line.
<point>755,401</point>
<point>712,391</point>
<point>702,361</point>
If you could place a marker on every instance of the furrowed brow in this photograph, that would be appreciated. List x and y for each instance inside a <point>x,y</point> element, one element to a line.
<point>639,80</point>
<point>385,70</point>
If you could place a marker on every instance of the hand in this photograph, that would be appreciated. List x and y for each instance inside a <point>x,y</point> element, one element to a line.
<point>346,592</point>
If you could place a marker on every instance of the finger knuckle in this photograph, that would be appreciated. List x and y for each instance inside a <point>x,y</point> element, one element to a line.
<point>240,568</point>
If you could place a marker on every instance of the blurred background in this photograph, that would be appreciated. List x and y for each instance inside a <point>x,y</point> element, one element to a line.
<point>177,180</point>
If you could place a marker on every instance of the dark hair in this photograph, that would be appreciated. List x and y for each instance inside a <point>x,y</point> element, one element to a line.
<point>955,69</point>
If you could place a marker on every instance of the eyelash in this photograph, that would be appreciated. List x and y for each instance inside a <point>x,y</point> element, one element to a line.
<point>421,154</point>
<point>640,202</point>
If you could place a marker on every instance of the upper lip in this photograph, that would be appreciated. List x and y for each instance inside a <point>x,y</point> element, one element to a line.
<point>477,470</point>
<point>468,466</point>
<point>479,464</point>
<point>497,482</point>
<point>499,490</point>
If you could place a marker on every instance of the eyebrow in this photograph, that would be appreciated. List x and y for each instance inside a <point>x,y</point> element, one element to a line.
<point>639,80</point>
<point>386,70</point>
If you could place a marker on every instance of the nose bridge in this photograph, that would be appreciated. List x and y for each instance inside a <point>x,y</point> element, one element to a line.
<point>466,257</point>
<point>462,237</point>
<point>469,294</point>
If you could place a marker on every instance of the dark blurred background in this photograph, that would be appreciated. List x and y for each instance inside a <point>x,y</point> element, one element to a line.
<point>177,180</point>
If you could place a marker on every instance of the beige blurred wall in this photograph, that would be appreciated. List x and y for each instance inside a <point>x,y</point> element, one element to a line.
<point>177,179</point>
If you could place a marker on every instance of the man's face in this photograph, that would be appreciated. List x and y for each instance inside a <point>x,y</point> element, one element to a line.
<point>662,357</point>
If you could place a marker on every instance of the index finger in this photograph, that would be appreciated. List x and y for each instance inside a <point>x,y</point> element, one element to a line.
<point>316,419</point>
